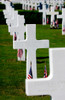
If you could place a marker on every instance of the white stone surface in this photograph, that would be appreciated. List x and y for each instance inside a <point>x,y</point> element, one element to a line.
<point>44,11</point>
<point>63,19</point>
<point>14,22</point>
<point>31,44</point>
<point>7,7</point>
<point>9,18</point>
<point>54,85</point>
<point>11,22</point>
<point>20,29</point>
<point>7,12</point>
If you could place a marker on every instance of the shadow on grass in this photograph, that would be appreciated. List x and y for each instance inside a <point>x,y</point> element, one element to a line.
<point>41,58</point>
<point>56,28</point>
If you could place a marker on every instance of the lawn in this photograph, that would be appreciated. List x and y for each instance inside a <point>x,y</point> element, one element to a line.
<point>13,73</point>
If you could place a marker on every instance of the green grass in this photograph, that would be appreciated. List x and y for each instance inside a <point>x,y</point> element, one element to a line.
<point>1,10</point>
<point>13,73</point>
<point>27,10</point>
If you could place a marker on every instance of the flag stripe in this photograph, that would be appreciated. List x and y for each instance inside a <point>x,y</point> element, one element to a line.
<point>45,72</point>
<point>30,76</point>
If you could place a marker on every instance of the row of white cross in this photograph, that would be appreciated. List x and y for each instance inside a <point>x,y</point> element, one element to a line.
<point>47,12</point>
<point>27,4</point>
<point>52,13</point>
<point>34,3</point>
<point>31,44</point>
<point>54,85</point>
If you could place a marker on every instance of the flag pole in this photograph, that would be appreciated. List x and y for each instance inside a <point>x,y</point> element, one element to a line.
<point>31,64</point>
<point>45,62</point>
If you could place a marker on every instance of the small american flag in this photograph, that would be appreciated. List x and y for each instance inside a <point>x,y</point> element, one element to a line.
<point>47,20</point>
<point>30,8</point>
<point>15,37</point>
<point>30,76</point>
<point>43,19</point>
<point>64,29</point>
<point>45,72</point>
<point>20,53</point>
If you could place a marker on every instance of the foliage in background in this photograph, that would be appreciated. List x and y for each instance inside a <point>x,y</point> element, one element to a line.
<point>18,6</point>
<point>2,6</point>
<point>31,17</point>
<point>2,20</point>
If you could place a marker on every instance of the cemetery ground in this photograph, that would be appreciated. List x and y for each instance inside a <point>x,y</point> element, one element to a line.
<point>13,72</point>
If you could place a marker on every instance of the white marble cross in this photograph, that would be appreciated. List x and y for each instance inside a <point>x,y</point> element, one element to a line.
<point>63,20</point>
<point>31,44</point>
<point>20,29</point>
<point>12,21</point>
<point>14,24</point>
<point>52,13</point>
<point>47,12</point>
<point>2,1</point>
<point>7,9</point>
<point>8,14</point>
<point>60,6</point>
<point>54,85</point>
<point>9,18</point>
<point>44,11</point>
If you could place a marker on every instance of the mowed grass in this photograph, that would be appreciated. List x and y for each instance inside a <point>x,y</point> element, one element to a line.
<point>13,73</point>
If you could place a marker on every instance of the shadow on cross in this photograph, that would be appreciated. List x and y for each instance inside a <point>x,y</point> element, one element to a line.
<point>41,58</point>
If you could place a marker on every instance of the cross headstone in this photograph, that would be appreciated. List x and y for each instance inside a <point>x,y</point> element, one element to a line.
<point>35,5</point>
<point>60,6</point>
<point>9,18</point>
<point>31,44</point>
<point>22,4</point>
<point>28,6</point>
<point>52,13</point>
<point>43,14</point>
<point>14,22</point>
<point>63,20</point>
<point>8,11</point>
<point>40,6</point>
<point>2,1</point>
<point>47,12</point>
<point>54,85</point>
<point>20,29</point>
<point>7,5</point>
<point>16,1</point>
